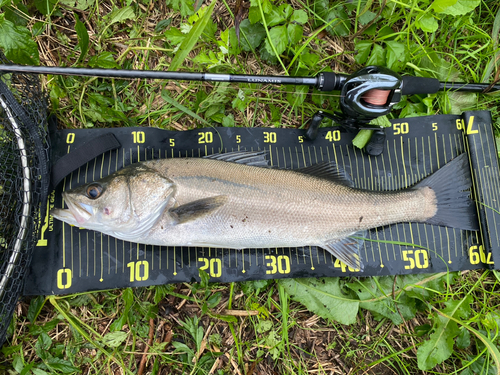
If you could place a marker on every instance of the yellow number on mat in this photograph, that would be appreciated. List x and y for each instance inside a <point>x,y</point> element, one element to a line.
<point>139,137</point>
<point>469,126</point>
<point>64,284</point>
<point>401,128</point>
<point>205,137</point>
<point>477,255</point>
<point>418,258</point>
<point>213,265</point>
<point>343,267</point>
<point>270,137</point>
<point>139,271</point>
<point>333,136</point>
<point>280,264</point>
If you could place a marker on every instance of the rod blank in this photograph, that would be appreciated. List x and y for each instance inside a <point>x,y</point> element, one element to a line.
<point>153,74</point>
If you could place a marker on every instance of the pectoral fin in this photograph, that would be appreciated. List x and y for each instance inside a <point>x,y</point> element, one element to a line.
<point>197,209</point>
<point>347,250</point>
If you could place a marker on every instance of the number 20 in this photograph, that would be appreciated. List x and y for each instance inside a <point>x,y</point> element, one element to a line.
<point>205,137</point>
<point>213,265</point>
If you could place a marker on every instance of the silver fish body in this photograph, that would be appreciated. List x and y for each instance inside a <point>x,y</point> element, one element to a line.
<point>209,202</point>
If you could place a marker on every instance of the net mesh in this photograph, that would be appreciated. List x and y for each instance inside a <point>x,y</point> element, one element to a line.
<point>24,180</point>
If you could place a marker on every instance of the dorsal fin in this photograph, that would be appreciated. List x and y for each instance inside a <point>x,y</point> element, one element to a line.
<point>255,158</point>
<point>329,171</point>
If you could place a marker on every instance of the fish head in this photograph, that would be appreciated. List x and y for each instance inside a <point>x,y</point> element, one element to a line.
<point>125,204</point>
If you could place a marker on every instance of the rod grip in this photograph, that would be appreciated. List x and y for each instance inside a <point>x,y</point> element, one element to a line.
<point>419,85</point>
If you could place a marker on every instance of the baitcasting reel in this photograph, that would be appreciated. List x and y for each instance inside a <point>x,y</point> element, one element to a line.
<point>367,94</point>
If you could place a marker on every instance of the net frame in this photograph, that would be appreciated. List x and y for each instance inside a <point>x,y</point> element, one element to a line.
<point>24,181</point>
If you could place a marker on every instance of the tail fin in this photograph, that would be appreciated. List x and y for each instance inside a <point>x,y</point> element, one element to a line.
<point>454,207</point>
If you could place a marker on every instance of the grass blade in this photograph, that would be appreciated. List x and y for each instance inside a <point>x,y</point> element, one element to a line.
<point>496,29</point>
<point>184,109</point>
<point>493,61</point>
<point>71,319</point>
<point>83,38</point>
<point>189,42</point>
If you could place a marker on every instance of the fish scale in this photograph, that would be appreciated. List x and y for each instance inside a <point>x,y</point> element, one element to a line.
<point>277,208</point>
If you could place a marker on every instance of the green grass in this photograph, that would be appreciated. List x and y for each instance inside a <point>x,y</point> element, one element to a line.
<point>255,327</point>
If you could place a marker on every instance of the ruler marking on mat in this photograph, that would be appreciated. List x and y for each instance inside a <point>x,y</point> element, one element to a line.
<point>406,161</point>
<point>487,169</point>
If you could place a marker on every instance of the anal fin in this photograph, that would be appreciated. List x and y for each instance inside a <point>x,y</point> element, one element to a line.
<point>197,209</point>
<point>347,250</point>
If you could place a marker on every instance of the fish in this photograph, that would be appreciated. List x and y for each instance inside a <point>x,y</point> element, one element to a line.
<point>236,200</point>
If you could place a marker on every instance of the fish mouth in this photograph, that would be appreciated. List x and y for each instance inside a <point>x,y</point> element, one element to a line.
<point>76,214</point>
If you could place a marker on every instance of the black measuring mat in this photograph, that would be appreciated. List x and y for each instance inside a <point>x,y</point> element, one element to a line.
<point>68,259</point>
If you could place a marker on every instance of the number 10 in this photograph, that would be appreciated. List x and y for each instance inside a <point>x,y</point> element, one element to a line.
<point>135,270</point>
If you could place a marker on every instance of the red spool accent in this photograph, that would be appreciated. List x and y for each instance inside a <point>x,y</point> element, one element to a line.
<point>377,97</point>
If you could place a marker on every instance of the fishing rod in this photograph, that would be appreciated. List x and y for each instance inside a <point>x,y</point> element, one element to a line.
<point>369,93</point>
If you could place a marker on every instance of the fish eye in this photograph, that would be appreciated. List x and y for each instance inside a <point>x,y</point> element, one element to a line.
<point>94,191</point>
